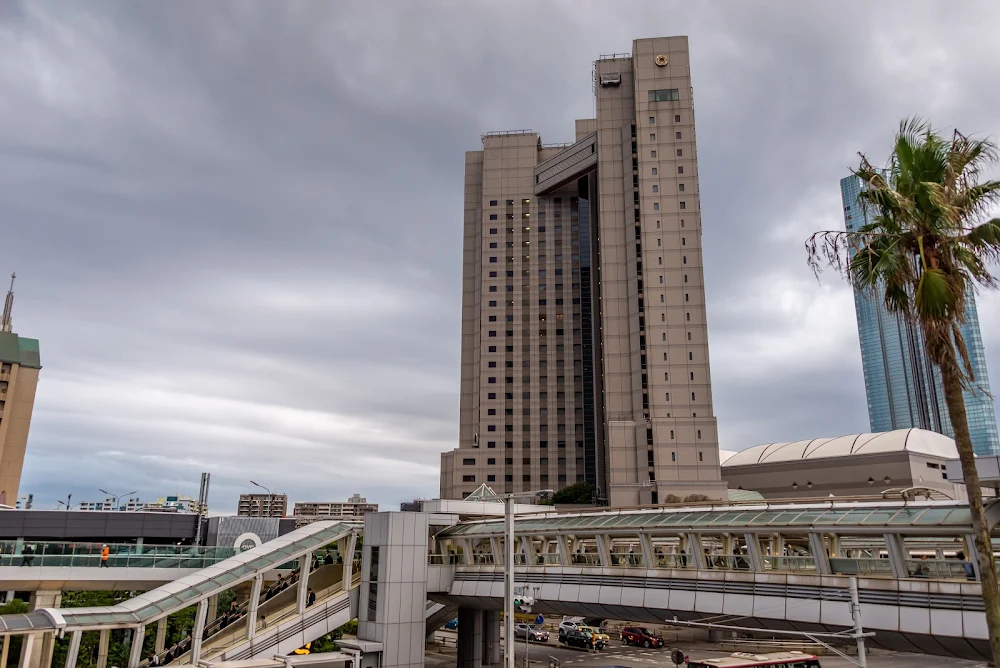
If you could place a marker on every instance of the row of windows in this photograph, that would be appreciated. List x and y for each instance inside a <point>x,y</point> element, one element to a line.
<point>656,207</point>
<point>527,444</point>
<point>541,201</point>
<point>542,396</point>
<point>541,332</point>
<point>509,461</point>
<point>652,119</point>
<point>680,154</point>
<point>664,95</point>
<point>526,478</point>
<point>652,135</point>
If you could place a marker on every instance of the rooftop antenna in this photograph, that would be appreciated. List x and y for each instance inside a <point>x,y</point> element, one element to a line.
<point>8,306</point>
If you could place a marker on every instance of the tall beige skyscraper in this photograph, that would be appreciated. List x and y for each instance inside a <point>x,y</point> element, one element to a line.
<point>584,336</point>
<point>19,366</point>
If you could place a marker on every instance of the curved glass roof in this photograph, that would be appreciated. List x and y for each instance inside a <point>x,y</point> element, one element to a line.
<point>832,515</point>
<point>186,591</point>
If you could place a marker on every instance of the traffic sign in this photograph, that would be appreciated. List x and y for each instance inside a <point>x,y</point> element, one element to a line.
<point>539,620</point>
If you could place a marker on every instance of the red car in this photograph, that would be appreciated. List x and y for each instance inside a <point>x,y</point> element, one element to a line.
<point>636,635</point>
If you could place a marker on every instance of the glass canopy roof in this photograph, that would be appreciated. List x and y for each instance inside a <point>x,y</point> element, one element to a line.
<point>885,514</point>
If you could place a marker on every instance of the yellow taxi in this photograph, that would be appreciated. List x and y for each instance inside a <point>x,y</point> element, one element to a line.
<point>598,634</point>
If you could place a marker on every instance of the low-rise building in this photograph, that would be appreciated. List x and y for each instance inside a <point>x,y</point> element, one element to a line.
<point>855,465</point>
<point>352,510</point>
<point>262,505</point>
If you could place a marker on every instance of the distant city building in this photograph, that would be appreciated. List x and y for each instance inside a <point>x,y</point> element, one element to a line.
<point>262,505</point>
<point>856,465</point>
<point>108,504</point>
<point>414,506</point>
<point>352,510</point>
<point>19,366</point>
<point>176,504</point>
<point>904,389</point>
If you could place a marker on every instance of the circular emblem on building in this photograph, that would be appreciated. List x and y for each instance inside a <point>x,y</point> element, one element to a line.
<point>247,541</point>
<point>662,60</point>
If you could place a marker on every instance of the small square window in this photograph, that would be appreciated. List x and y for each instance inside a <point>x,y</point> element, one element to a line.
<point>492,333</point>
<point>493,288</point>
<point>493,318</point>
<point>491,478</point>
<point>493,216</point>
<point>656,188</point>
<point>652,154</point>
<point>677,135</point>
<point>677,118</point>
<point>493,259</point>
<point>680,170</point>
<point>493,302</point>
<point>655,172</point>
<point>656,206</point>
<point>492,395</point>
<point>680,187</point>
<point>652,136</point>
<point>683,205</point>
<point>652,120</point>
<point>680,152</point>
<point>493,202</point>
<point>493,244</point>
<point>493,230</point>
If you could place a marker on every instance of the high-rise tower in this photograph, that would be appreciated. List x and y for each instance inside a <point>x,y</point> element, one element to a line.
<point>904,389</point>
<point>584,335</point>
<point>19,366</point>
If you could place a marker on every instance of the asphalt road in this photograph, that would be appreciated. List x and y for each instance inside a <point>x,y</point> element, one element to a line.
<point>638,657</point>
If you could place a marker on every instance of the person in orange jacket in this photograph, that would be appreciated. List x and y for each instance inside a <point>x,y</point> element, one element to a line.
<point>104,556</point>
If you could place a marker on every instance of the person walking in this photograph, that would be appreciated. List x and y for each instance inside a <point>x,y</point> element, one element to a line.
<point>105,551</point>
<point>27,555</point>
<point>263,622</point>
<point>154,660</point>
<point>310,597</point>
<point>328,559</point>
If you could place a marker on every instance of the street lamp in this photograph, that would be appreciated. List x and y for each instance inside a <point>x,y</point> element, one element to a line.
<point>508,572</point>
<point>117,498</point>
<point>270,499</point>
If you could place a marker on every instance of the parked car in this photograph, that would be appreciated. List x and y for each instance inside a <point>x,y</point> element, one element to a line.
<point>577,638</point>
<point>452,625</point>
<point>530,632</point>
<point>637,635</point>
<point>568,626</point>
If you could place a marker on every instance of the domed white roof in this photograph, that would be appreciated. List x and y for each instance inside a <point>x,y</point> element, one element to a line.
<point>912,440</point>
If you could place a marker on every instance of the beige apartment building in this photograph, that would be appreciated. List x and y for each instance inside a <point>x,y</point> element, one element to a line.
<point>352,510</point>
<point>584,335</point>
<point>262,505</point>
<point>19,367</point>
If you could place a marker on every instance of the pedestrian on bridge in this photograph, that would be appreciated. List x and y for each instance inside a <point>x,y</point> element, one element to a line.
<point>310,597</point>
<point>105,551</point>
<point>27,555</point>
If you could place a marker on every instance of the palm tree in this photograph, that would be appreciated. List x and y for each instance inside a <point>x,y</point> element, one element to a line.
<point>925,249</point>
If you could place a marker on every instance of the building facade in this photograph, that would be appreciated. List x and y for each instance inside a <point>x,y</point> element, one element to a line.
<point>262,505</point>
<point>584,335</point>
<point>352,510</point>
<point>904,389</point>
<point>19,366</point>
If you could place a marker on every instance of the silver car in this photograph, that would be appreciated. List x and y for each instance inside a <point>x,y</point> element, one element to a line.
<point>530,632</point>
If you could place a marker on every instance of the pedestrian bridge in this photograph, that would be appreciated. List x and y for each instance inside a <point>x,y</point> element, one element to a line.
<point>766,565</point>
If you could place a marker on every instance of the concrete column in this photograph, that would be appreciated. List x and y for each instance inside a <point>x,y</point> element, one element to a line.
<point>252,606</point>
<point>348,555</point>
<point>897,555</point>
<point>496,551</point>
<point>753,552</point>
<point>161,635</point>
<point>38,654</point>
<point>198,632</point>
<point>492,654</point>
<point>648,553</point>
<point>305,562</point>
<point>6,649</point>
<point>696,555</point>
<point>102,648</point>
<point>135,653</point>
<point>470,638</point>
<point>71,653</point>
<point>565,556</point>
<point>604,550</point>
<point>528,548</point>
<point>819,555</point>
<point>213,608</point>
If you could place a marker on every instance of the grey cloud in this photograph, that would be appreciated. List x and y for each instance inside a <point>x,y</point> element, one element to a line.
<point>238,225</point>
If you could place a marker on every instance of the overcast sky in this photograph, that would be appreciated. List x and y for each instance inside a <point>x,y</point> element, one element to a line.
<point>237,226</point>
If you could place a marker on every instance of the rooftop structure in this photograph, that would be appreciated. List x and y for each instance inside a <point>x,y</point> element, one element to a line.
<point>854,465</point>
<point>352,510</point>
<point>262,505</point>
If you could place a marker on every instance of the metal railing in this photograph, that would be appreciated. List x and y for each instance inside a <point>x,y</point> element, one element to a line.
<point>940,569</point>
<point>798,564</point>
<point>120,555</point>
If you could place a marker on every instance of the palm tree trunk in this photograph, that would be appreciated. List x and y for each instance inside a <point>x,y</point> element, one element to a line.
<point>951,378</point>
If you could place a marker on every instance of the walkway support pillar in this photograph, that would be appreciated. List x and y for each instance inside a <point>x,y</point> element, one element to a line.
<point>818,550</point>
<point>102,648</point>
<point>648,553</point>
<point>470,638</point>
<point>696,555</point>
<point>161,635</point>
<point>73,651</point>
<point>38,654</point>
<point>135,652</point>
<point>604,550</point>
<point>254,602</point>
<point>198,632</point>
<point>348,557</point>
<point>897,555</point>
<point>491,638</point>
<point>753,552</point>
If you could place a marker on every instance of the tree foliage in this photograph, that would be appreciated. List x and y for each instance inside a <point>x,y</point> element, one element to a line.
<point>926,245</point>
<point>581,492</point>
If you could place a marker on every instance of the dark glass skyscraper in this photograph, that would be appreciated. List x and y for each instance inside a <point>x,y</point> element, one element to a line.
<point>904,389</point>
